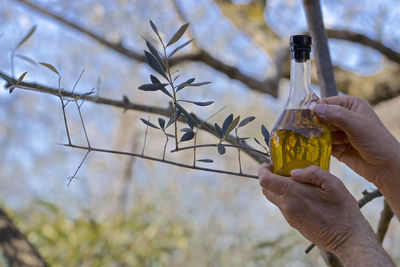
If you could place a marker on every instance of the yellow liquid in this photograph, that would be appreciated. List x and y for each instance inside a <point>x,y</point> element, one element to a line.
<point>298,141</point>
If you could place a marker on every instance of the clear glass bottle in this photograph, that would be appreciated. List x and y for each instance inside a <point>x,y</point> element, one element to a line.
<point>297,139</point>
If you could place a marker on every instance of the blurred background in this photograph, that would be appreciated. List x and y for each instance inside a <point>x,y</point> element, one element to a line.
<point>125,211</point>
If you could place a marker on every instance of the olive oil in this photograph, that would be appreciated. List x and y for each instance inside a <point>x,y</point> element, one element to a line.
<point>298,141</point>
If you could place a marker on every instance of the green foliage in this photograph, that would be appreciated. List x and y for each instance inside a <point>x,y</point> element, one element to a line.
<point>137,238</point>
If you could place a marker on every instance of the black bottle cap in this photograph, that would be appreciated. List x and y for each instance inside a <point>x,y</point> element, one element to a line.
<point>300,46</point>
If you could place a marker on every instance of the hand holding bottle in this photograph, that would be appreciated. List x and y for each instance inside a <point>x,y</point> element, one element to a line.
<point>319,206</point>
<point>360,140</point>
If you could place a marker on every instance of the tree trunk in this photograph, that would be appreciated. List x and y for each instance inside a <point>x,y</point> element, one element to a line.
<point>15,249</point>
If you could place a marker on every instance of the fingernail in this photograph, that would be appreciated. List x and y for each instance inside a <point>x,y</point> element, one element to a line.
<point>296,172</point>
<point>320,109</point>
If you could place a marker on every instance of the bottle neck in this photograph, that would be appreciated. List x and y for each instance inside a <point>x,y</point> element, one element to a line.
<point>301,95</point>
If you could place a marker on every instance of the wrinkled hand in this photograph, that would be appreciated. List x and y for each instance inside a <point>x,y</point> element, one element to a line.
<point>317,204</point>
<point>359,138</point>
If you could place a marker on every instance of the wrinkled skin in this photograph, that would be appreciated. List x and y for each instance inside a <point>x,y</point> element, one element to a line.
<point>318,204</point>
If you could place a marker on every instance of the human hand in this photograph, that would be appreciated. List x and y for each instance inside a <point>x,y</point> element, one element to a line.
<point>359,138</point>
<point>318,205</point>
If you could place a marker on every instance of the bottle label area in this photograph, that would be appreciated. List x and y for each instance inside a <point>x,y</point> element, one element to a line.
<point>298,141</point>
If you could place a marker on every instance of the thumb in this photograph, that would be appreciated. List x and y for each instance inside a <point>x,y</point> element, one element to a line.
<point>313,175</point>
<point>346,120</point>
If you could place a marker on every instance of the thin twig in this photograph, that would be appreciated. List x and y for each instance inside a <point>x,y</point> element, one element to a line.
<point>127,106</point>
<point>214,145</point>
<point>79,167</point>
<point>194,144</point>
<point>161,160</point>
<point>165,145</point>
<point>83,124</point>
<point>12,63</point>
<point>77,81</point>
<point>240,163</point>
<point>171,83</point>
<point>145,136</point>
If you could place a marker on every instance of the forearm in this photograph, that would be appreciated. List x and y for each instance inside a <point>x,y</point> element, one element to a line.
<point>389,184</point>
<point>364,250</point>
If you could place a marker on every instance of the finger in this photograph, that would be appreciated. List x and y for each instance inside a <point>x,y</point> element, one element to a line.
<point>344,101</point>
<point>339,138</point>
<point>275,183</point>
<point>313,175</point>
<point>346,120</point>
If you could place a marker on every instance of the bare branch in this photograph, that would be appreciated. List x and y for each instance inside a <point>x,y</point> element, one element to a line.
<point>15,248</point>
<point>200,56</point>
<point>364,40</point>
<point>145,136</point>
<point>161,160</point>
<point>323,60</point>
<point>226,145</point>
<point>79,166</point>
<point>129,106</point>
<point>384,221</point>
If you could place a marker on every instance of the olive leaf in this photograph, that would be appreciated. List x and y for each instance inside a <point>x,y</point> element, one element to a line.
<point>180,47</point>
<point>178,34</point>
<point>245,121</point>
<point>188,117</point>
<point>154,80</point>
<point>265,133</point>
<point>258,142</point>
<point>27,59</point>
<point>154,64</point>
<point>186,130</point>
<point>206,160</point>
<point>228,120</point>
<point>187,136</point>
<point>219,131</point>
<point>153,26</point>
<point>152,86</point>
<point>149,123</point>
<point>171,120</point>
<point>237,138</point>
<point>170,135</point>
<point>221,149</point>
<point>184,84</point>
<point>232,126</point>
<point>199,84</point>
<point>27,36</point>
<point>50,67</point>
<point>21,78</point>
<point>161,122</point>
<point>155,53</point>
<point>206,103</point>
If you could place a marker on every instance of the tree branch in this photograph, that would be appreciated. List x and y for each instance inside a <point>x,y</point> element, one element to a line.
<point>364,40</point>
<point>384,221</point>
<point>200,56</point>
<point>130,106</point>
<point>15,247</point>
<point>93,149</point>
<point>322,56</point>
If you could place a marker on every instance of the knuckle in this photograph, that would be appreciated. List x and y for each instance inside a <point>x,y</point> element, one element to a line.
<point>264,181</point>
<point>314,171</point>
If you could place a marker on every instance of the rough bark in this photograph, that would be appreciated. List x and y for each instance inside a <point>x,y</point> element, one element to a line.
<point>15,248</point>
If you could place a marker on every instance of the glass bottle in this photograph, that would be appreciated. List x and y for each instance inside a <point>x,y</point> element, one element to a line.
<point>297,139</point>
